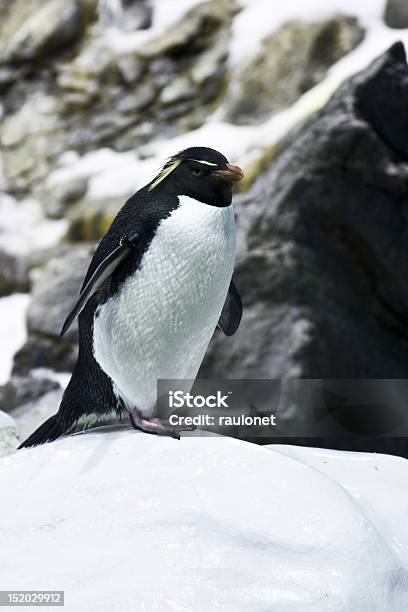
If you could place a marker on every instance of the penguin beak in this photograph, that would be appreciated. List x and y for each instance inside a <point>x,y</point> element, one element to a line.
<point>232,174</point>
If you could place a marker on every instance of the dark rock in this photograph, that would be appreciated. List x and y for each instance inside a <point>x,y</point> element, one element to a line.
<point>132,103</point>
<point>7,77</point>
<point>195,32</point>
<point>291,61</point>
<point>131,68</point>
<point>13,273</point>
<point>181,88</point>
<point>89,220</point>
<point>42,352</point>
<point>56,287</point>
<point>323,263</point>
<point>39,258</point>
<point>396,14</point>
<point>31,28</point>
<point>382,94</point>
<point>22,389</point>
<point>57,200</point>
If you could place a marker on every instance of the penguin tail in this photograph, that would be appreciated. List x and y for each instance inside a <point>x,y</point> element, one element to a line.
<point>47,432</point>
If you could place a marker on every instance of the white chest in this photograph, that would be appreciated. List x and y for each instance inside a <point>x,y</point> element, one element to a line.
<point>160,323</point>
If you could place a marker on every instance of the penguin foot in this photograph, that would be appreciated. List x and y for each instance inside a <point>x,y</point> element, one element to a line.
<point>156,426</point>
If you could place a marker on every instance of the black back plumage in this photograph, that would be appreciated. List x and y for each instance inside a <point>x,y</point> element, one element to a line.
<point>141,216</point>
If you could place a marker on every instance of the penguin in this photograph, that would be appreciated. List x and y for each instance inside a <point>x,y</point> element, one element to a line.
<point>158,285</point>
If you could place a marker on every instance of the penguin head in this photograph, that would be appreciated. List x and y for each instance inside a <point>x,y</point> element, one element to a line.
<point>200,173</point>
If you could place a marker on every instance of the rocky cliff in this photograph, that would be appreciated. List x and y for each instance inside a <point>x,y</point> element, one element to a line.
<point>94,96</point>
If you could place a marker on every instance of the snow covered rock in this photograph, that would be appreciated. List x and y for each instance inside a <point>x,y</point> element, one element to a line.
<point>33,28</point>
<point>8,434</point>
<point>124,521</point>
<point>22,389</point>
<point>294,59</point>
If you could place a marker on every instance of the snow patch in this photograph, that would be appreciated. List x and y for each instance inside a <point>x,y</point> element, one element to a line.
<point>24,229</point>
<point>201,524</point>
<point>13,333</point>
<point>376,482</point>
<point>165,15</point>
<point>62,378</point>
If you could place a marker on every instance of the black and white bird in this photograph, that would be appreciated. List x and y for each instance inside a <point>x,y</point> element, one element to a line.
<point>158,285</point>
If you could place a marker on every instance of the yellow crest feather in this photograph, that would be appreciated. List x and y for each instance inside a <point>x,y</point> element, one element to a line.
<point>165,172</point>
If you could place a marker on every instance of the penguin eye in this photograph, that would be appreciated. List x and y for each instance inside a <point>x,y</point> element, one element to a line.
<point>197,172</point>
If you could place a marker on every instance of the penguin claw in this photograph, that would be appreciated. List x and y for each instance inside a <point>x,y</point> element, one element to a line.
<point>176,431</point>
<point>156,426</point>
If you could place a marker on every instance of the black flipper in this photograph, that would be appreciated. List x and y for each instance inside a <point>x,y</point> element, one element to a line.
<point>232,312</point>
<point>105,269</point>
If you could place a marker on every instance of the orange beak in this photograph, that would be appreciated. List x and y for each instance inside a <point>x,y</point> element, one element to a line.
<point>232,174</point>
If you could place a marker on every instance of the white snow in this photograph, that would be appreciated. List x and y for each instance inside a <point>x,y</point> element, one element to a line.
<point>13,334</point>
<point>23,227</point>
<point>127,521</point>
<point>166,13</point>
<point>62,378</point>
<point>111,173</point>
<point>363,475</point>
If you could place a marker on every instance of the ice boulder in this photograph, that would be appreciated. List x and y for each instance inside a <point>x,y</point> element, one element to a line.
<point>127,521</point>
